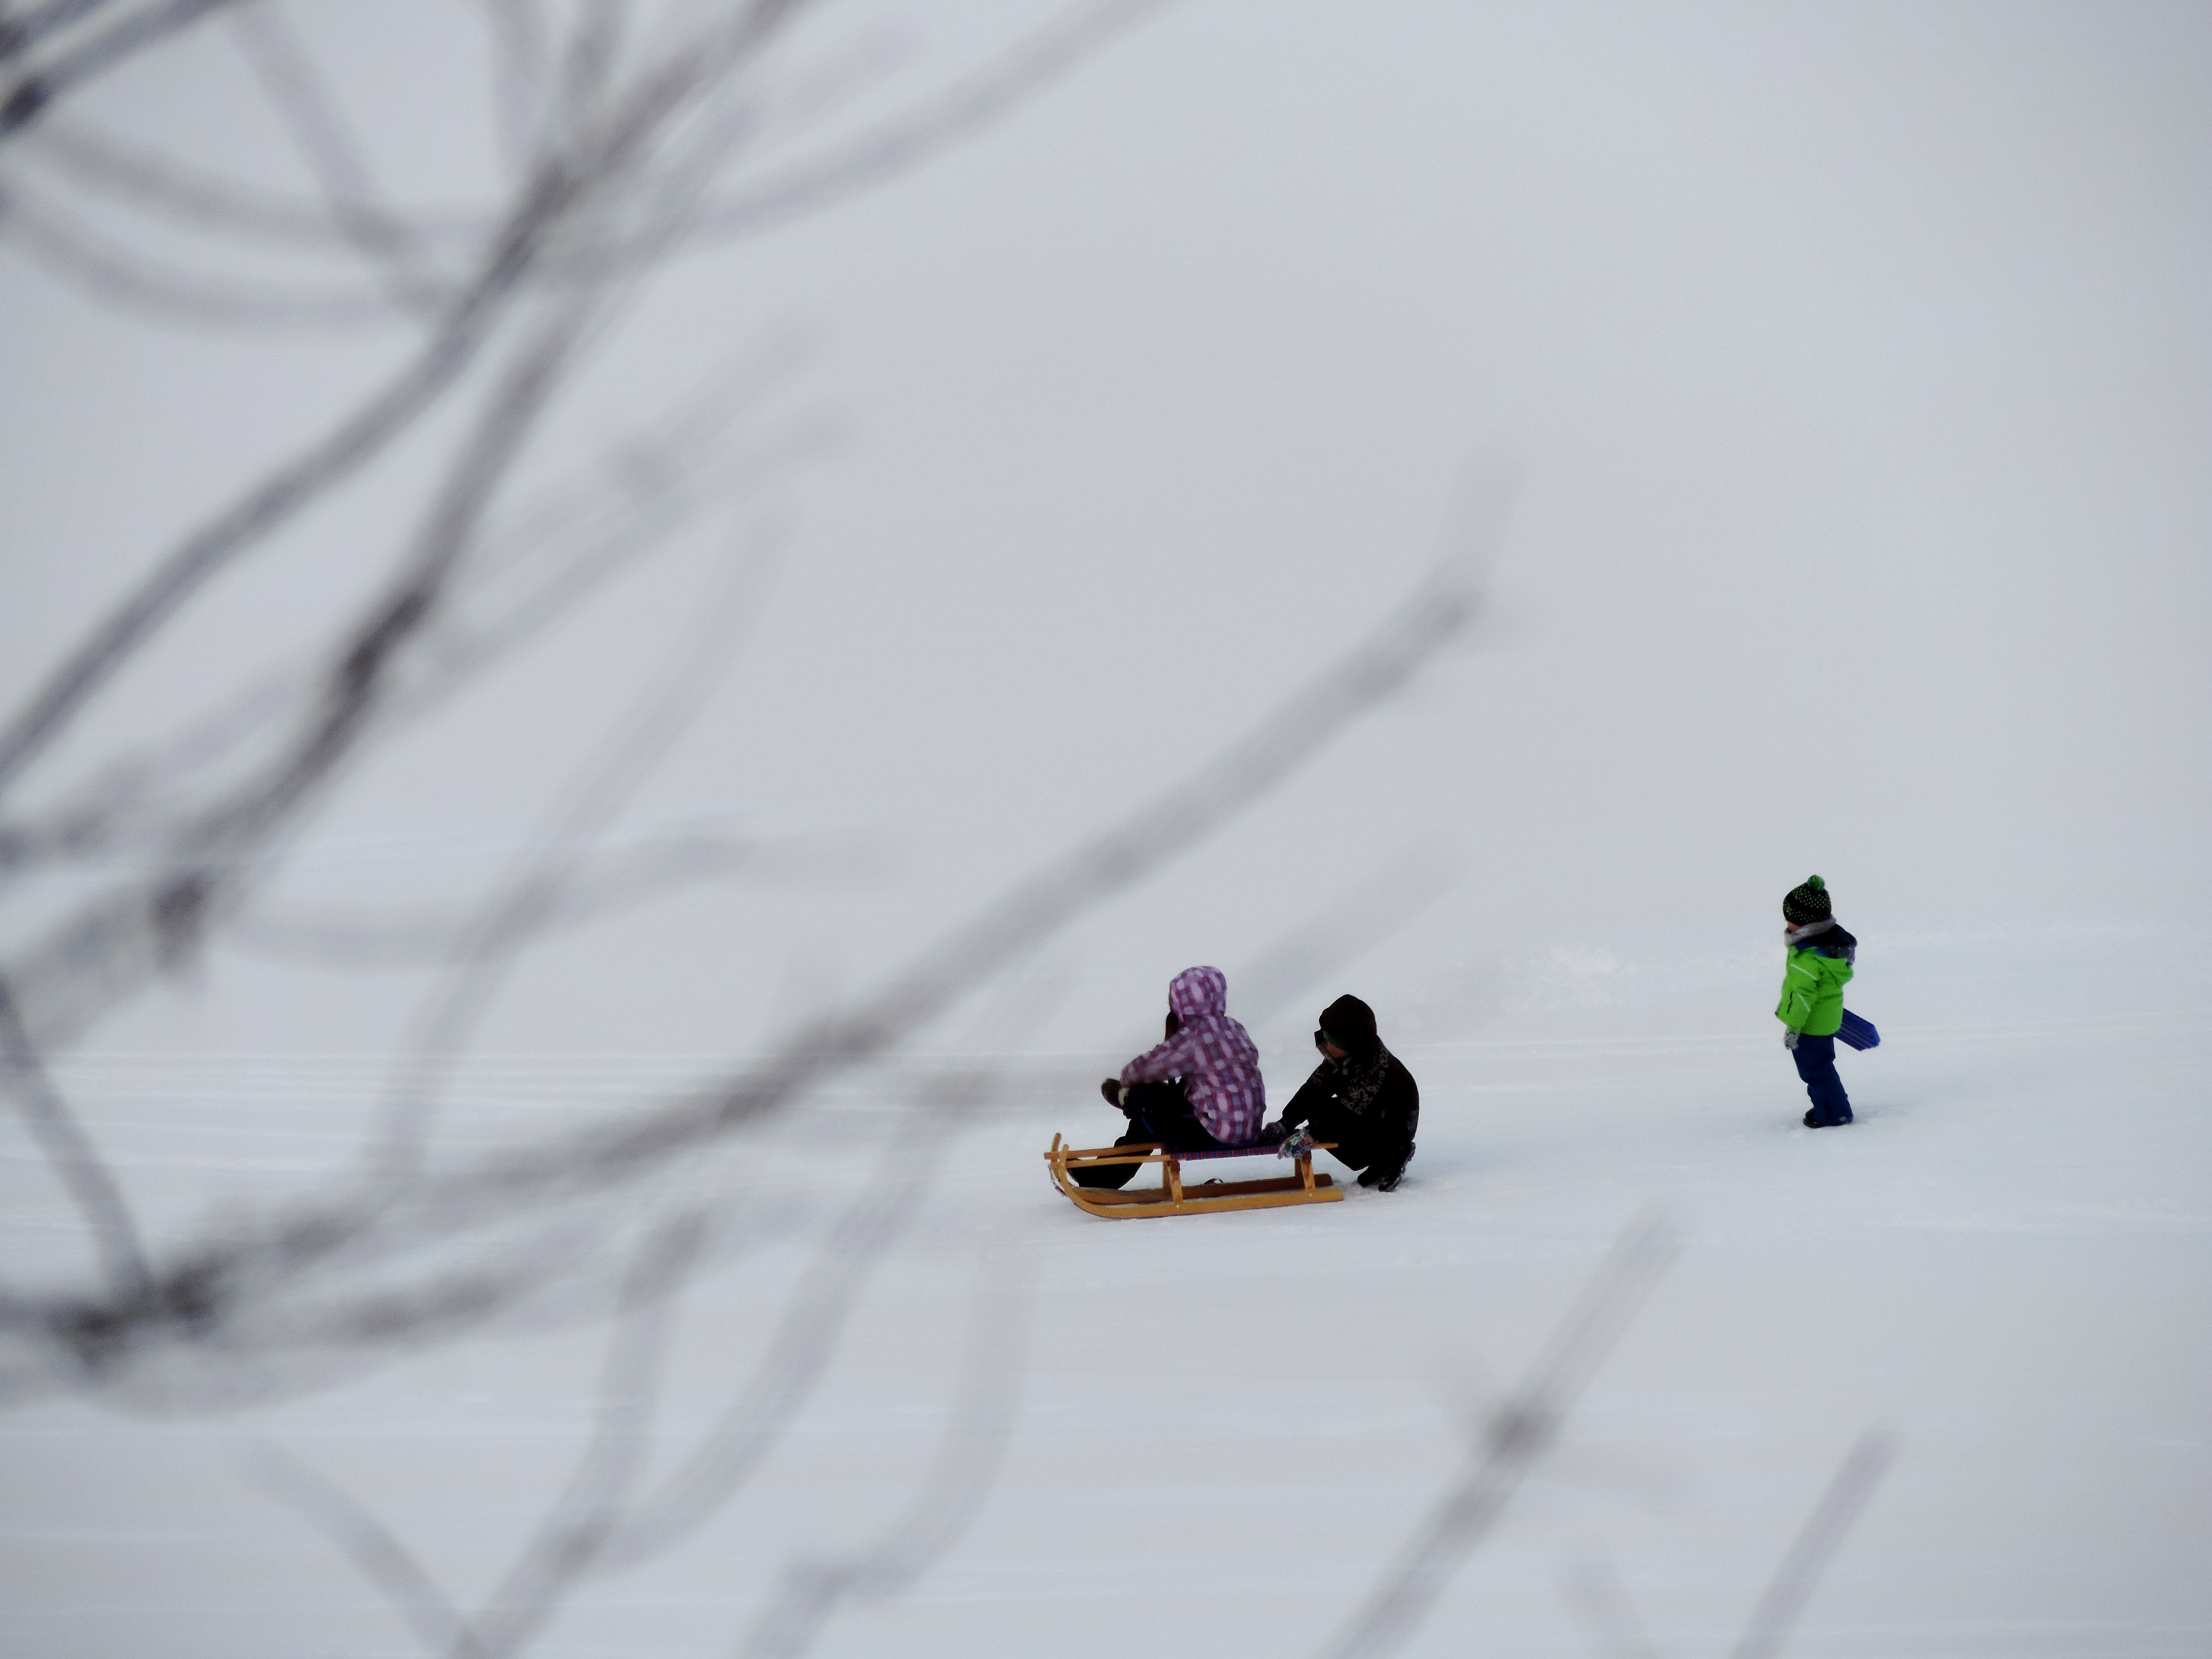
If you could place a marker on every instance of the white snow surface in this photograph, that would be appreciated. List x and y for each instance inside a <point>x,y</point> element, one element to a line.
<point>1229,1426</point>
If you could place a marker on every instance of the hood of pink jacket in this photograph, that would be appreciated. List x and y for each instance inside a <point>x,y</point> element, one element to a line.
<point>1196,992</point>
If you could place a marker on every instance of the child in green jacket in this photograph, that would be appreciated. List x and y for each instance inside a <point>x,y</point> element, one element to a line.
<point>1819,956</point>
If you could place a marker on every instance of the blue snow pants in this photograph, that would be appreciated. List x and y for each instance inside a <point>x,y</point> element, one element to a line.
<point>1816,1064</point>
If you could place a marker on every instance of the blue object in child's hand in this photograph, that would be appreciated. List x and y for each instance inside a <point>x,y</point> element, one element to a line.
<point>1857,1033</point>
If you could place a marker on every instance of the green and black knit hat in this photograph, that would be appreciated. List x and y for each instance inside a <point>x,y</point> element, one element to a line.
<point>1807,903</point>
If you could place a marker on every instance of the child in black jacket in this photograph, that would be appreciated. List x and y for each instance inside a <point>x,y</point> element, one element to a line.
<point>1361,1097</point>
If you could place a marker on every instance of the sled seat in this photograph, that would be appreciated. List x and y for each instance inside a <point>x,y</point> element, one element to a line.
<point>1253,1150</point>
<point>1172,1196</point>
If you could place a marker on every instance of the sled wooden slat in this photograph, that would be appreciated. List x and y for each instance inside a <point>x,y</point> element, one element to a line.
<point>1152,1196</point>
<point>1172,1196</point>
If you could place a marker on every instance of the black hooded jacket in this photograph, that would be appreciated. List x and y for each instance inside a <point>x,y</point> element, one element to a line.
<point>1367,1103</point>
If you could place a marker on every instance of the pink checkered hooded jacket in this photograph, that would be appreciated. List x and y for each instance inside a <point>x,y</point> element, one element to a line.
<point>1215,1056</point>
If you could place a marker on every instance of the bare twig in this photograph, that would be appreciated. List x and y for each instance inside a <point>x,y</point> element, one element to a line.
<point>586,70</point>
<point>25,29</point>
<point>36,90</point>
<point>790,190</point>
<point>812,1592</point>
<point>1795,1580</point>
<point>556,548</point>
<point>596,1530</point>
<point>563,187</point>
<point>153,181</point>
<point>903,142</point>
<point>573,1533</point>
<point>121,942</point>
<point>1340,930</point>
<point>127,805</point>
<point>587,1533</point>
<point>569,1536</point>
<point>272,503</point>
<point>373,1549</point>
<point>897,144</point>
<point>124,277</point>
<point>814,1317</point>
<point>1594,1590</point>
<point>531,899</point>
<point>309,112</point>
<point>69,1152</point>
<point>560,546</point>
<point>518,71</point>
<point>1520,1435</point>
<point>606,884</point>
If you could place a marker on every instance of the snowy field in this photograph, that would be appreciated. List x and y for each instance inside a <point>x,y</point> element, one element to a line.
<point>1226,1427</point>
<point>1845,377</point>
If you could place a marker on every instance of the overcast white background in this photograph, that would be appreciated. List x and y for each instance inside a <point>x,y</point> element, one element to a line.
<point>1856,362</point>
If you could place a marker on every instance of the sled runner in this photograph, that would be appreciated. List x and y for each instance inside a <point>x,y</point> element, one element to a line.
<point>1174,1196</point>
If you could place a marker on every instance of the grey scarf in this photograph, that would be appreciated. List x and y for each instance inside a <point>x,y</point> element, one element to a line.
<point>1808,933</point>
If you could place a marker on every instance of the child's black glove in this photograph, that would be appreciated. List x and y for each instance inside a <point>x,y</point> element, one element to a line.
<point>1113,1089</point>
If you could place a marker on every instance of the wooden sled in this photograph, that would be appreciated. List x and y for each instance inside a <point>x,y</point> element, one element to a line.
<point>1172,1196</point>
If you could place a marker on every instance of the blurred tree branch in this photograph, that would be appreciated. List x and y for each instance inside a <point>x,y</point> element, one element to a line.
<point>1521,1433</point>
<point>85,54</point>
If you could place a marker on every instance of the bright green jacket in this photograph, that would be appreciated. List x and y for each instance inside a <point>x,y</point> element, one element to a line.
<point>1813,991</point>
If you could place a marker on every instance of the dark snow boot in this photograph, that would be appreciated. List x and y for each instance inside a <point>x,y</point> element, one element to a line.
<point>1110,1176</point>
<point>1814,1120</point>
<point>1385,1173</point>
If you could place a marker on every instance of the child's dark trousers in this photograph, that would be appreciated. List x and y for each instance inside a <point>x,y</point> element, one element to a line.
<point>1816,1064</point>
